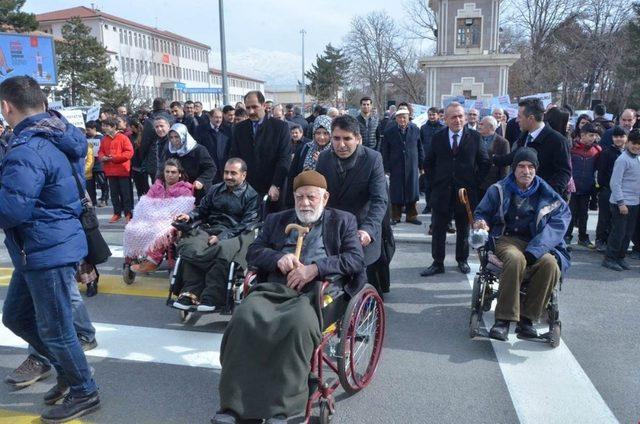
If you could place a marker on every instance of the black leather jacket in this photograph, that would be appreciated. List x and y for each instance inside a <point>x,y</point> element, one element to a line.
<point>227,214</point>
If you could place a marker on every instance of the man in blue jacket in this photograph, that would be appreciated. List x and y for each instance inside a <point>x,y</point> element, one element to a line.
<point>39,213</point>
<point>527,220</point>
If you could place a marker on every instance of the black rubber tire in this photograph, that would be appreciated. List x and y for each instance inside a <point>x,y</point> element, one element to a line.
<point>128,276</point>
<point>474,325</point>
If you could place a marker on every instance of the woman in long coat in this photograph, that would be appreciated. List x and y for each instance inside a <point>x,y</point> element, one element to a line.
<point>402,154</point>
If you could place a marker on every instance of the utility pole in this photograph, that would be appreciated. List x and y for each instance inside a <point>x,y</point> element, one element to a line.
<point>223,55</point>
<point>304,86</point>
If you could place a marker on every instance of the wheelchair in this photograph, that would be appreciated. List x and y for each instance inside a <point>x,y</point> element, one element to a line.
<point>353,330</point>
<point>485,290</point>
<point>234,282</point>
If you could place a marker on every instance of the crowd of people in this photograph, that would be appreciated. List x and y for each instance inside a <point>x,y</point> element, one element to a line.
<point>348,180</point>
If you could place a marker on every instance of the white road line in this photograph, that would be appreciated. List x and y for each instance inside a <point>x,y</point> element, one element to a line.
<point>144,344</point>
<point>546,385</point>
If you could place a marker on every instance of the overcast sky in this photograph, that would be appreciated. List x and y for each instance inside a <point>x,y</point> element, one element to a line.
<point>263,37</point>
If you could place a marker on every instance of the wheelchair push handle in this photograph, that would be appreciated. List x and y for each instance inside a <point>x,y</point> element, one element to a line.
<point>463,197</point>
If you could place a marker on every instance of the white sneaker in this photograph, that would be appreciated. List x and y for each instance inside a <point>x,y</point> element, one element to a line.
<point>206,308</point>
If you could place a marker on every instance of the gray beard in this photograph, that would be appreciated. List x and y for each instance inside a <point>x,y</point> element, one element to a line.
<point>309,218</point>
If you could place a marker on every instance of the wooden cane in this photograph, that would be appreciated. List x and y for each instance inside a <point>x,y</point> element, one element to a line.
<point>302,232</point>
<point>463,197</point>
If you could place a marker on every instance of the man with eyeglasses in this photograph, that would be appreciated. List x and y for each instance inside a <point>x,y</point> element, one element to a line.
<point>263,143</point>
<point>473,117</point>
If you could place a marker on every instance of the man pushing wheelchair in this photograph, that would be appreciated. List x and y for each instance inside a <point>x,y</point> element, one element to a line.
<point>527,221</point>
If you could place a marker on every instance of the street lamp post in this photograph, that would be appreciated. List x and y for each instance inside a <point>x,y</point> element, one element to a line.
<point>223,54</point>
<point>304,86</point>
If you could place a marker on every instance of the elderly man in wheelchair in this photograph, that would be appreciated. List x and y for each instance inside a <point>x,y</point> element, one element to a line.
<point>273,334</point>
<point>212,237</point>
<point>527,221</point>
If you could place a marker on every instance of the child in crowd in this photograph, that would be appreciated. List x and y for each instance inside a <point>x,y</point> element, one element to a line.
<point>624,203</point>
<point>115,154</point>
<point>584,157</point>
<point>605,168</point>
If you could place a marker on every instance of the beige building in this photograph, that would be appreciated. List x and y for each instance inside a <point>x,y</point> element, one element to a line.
<point>467,61</point>
<point>154,62</point>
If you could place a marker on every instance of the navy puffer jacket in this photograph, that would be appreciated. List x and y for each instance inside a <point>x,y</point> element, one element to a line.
<point>39,203</point>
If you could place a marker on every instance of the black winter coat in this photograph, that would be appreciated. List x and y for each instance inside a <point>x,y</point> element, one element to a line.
<point>403,157</point>
<point>197,165</point>
<point>447,173</point>
<point>268,154</point>
<point>340,238</point>
<point>230,213</point>
<point>605,165</point>
<point>217,144</point>
<point>363,192</point>
<point>191,123</point>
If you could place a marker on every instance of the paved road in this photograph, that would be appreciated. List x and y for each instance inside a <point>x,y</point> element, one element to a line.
<point>153,369</point>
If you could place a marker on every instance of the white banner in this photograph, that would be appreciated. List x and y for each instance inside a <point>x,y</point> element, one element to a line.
<point>74,116</point>
<point>93,114</point>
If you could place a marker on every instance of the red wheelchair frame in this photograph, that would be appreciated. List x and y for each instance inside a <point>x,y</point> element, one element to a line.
<point>342,340</point>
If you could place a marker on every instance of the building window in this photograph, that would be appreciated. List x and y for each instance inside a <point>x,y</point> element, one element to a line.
<point>130,39</point>
<point>121,38</point>
<point>468,33</point>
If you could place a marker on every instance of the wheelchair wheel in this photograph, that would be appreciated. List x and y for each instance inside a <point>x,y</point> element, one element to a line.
<point>128,276</point>
<point>474,324</point>
<point>361,338</point>
<point>188,317</point>
<point>554,334</point>
<point>325,415</point>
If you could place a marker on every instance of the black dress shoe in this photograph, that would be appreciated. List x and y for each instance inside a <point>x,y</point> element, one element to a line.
<point>414,221</point>
<point>450,229</point>
<point>500,330</point>
<point>525,329</point>
<point>394,221</point>
<point>92,288</point>
<point>463,266</point>
<point>432,270</point>
<point>72,407</point>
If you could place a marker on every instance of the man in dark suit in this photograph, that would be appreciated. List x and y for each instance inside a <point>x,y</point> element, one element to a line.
<point>216,137</point>
<point>264,144</point>
<point>355,177</point>
<point>457,159</point>
<point>552,147</point>
<point>279,318</point>
<point>427,131</point>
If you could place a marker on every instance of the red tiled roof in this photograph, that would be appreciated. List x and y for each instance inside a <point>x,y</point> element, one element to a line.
<point>85,12</point>
<point>215,71</point>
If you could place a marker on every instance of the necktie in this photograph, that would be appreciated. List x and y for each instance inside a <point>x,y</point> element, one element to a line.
<point>454,148</point>
<point>529,140</point>
<point>255,127</point>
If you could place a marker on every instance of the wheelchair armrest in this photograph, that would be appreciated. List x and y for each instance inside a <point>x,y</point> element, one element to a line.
<point>252,274</point>
<point>333,278</point>
<point>185,226</point>
<point>252,227</point>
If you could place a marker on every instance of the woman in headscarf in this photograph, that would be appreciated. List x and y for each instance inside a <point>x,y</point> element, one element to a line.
<point>198,165</point>
<point>149,234</point>
<point>306,156</point>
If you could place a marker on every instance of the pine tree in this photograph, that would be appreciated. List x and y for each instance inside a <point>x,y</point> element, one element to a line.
<point>12,19</point>
<point>328,74</point>
<point>83,67</point>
